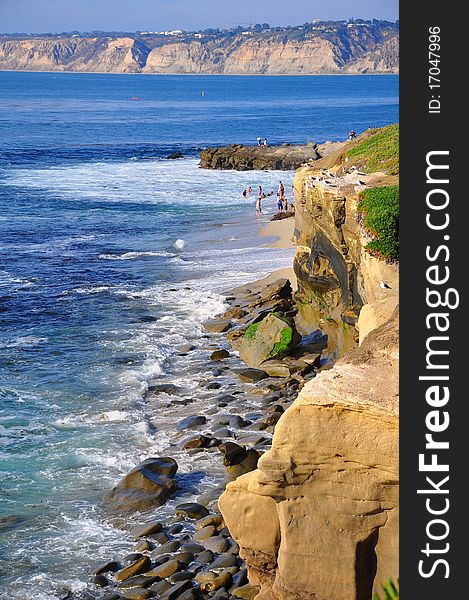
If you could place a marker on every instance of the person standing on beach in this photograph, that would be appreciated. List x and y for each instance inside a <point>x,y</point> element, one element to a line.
<point>265,142</point>
<point>259,141</point>
<point>259,200</point>
<point>281,190</point>
<point>279,204</point>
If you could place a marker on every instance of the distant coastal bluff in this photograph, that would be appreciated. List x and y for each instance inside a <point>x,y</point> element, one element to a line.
<point>322,47</point>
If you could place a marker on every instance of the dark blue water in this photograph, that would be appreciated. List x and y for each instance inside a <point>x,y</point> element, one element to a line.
<point>110,258</point>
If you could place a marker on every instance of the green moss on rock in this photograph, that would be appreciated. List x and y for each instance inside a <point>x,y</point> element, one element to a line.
<point>282,346</point>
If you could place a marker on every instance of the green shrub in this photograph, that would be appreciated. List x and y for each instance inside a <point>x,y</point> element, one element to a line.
<point>390,591</point>
<point>380,210</point>
<point>379,150</point>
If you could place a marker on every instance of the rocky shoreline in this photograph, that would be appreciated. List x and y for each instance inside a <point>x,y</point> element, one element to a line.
<point>192,554</point>
<point>286,157</point>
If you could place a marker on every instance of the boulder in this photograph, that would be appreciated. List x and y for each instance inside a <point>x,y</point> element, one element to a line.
<point>219,354</point>
<point>273,337</point>
<point>148,485</point>
<point>283,368</point>
<point>191,422</point>
<point>235,312</point>
<point>217,325</point>
<point>136,568</point>
<point>251,375</point>
<point>146,529</point>
<point>191,510</point>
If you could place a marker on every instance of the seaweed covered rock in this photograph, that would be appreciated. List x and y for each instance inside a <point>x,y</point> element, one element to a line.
<point>273,337</point>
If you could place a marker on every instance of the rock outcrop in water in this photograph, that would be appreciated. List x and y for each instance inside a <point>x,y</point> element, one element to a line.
<point>359,47</point>
<point>286,157</point>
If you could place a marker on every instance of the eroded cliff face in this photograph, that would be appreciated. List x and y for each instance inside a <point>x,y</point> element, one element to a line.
<point>336,276</point>
<point>113,55</point>
<point>318,519</point>
<point>354,50</point>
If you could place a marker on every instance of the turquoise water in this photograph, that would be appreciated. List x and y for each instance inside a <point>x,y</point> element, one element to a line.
<point>110,258</point>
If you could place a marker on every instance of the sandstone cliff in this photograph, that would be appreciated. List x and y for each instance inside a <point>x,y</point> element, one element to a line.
<point>336,274</point>
<point>318,519</point>
<point>333,48</point>
<point>112,55</point>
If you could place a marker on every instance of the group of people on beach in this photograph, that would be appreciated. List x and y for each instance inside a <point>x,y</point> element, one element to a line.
<point>262,143</point>
<point>282,202</point>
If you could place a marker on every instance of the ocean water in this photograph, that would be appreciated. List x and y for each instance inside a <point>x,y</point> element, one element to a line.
<point>111,257</point>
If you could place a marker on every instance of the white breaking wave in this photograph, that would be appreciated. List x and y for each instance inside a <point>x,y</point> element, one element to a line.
<point>133,255</point>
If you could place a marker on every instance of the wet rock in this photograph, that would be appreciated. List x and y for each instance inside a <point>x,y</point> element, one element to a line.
<point>185,558</point>
<point>191,510</point>
<point>223,432</point>
<point>160,587</point>
<point>217,325</point>
<point>137,594</point>
<point>192,547</point>
<point>223,580</point>
<point>217,544</point>
<point>238,460</point>
<point>142,546</point>
<point>248,592</point>
<point>174,155</point>
<point>175,529</point>
<point>186,348</point>
<point>132,557</point>
<point>165,570</point>
<point>167,548</point>
<point>235,334</point>
<point>188,595</point>
<point>204,577</point>
<point>198,441</point>
<point>205,557</point>
<point>204,533</point>
<point>100,581</point>
<point>223,561</point>
<point>147,485</point>
<point>283,368</point>
<point>181,576</point>
<point>146,529</point>
<point>176,590</point>
<point>251,375</point>
<point>109,566</point>
<point>136,568</point>
<point>270,421</point>
<point>191,422</point>
<point>238,422</point>
<point>215,520</point>
<point>220,354</point>
<point>240,579</point>
<point>164,388</point>
<point>235,313</point>
<point>214,385</point>
<point>139,581</point>
<point>161,537</point>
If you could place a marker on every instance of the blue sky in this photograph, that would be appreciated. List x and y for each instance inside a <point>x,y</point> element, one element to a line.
<point>131,15</point>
